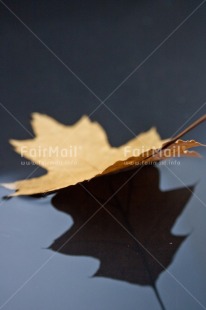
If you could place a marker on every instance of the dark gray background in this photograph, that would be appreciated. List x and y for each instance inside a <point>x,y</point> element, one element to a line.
<point>102,42</point>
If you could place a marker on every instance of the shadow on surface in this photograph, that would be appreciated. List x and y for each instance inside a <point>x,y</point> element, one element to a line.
<point>131,235</point>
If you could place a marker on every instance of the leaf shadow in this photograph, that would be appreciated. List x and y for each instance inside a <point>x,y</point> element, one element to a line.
<point>130,235</point>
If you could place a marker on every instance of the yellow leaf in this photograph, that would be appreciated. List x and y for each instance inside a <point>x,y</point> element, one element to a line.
<point>73,154</point>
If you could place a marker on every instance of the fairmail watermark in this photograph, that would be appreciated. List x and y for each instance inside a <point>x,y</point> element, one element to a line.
<point>51,155</point>
<point>151,156</point>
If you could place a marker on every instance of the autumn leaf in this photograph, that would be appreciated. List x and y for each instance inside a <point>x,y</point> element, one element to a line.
<point>73,154</point>
<point>131,235</point>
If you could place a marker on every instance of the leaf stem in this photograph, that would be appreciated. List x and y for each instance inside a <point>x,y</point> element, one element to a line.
<point>186,130</point>
<point>158,297</point>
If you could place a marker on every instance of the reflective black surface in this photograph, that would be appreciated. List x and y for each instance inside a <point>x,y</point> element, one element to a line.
<point>102,266</point>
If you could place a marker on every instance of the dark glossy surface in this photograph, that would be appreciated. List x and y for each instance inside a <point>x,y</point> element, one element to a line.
<point>104,266</point>
<point>102,43</point>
